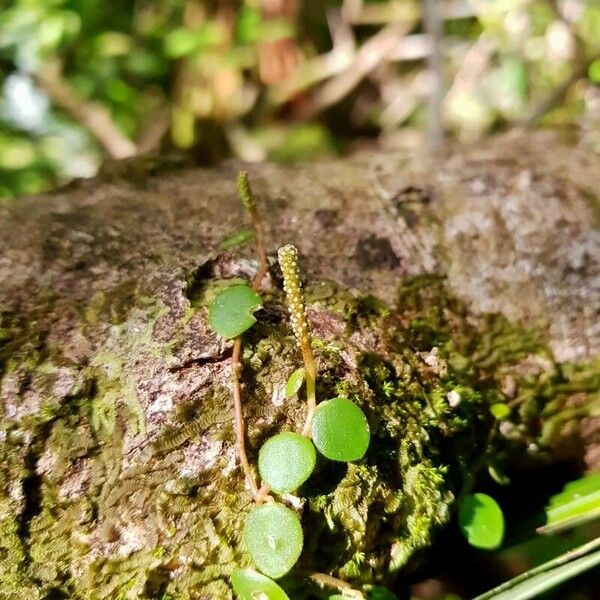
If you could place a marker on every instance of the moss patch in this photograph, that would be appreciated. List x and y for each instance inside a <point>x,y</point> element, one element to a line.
<point>102,495</point>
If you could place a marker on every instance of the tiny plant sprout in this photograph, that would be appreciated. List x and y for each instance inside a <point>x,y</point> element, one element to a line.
<point>250,585</point>
<point>481,521</point>
<point>294,383</point>
<point>241,237</point>
<point>340,430</point>
<point>286,461</point>
<point>273,537</point>
<point>232,311</point>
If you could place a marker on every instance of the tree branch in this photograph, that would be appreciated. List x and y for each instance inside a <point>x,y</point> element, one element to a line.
<point>91,115</point>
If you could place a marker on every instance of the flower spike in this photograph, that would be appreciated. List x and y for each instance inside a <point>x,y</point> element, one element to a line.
<point>292,285</point>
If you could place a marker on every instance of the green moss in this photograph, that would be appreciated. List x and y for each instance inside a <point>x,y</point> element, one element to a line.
<point>94,525</point>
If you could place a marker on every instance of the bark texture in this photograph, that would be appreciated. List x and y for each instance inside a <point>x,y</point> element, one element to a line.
<point>118,472</point>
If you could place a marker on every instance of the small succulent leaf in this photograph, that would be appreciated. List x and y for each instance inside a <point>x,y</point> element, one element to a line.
<point>232,311</point>
<point>241,237</point>
<point>294,383</point>
<point>273,537</point>
<point>286,461</point>
<point>248,584</point>
<point>481,521</point>
<point>340,430</point>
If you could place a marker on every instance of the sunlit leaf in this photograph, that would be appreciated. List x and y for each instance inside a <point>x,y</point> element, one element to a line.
<point>286,461</point>
<point>340,430</point>
<point>273,537</point>
<point>294,383</point>
<point>249,585</point>
<point>481,521</point>
<point>232,311</point>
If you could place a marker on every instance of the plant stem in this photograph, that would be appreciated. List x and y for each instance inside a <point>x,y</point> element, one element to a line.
<point>247,198</point>
<point>249,201</point>
<point>259,236</point>
<point>240,428</point>
<point>292,284</point>
<point>310,374</point>
<point>263,494</point>
<point>327,581</point>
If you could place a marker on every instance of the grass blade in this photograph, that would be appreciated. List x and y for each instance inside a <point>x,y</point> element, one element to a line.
<point>577,504</point>
<point>544,577</point>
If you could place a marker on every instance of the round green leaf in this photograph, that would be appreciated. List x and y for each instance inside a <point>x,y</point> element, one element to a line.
<point>249,585</point>
<point>481,521</point>
<point>232,311</point>
<point>286,461</point>
<point>340,430</point>
<point>273,537</point>
<point>294,383</point>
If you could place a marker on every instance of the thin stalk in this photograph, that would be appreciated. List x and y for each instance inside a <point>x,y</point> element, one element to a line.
<point>327,581</point>
<point>249,201</point>
<point>310,375</point>
<point>247,198</point>
<point>240,427</point>
<point>259,238</point>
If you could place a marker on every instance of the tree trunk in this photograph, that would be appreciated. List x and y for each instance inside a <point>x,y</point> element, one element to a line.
<point>119,477</point>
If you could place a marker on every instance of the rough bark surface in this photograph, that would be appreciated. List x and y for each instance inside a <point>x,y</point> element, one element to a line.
<point>118,469</point>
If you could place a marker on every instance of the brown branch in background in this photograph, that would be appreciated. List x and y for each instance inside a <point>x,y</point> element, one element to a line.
<point>557,96</point>
<point>314,70</point>
<point>356,12</point>
<point>371,53</point>
<point>433,26</point>
<point>473,65</point>
<point>154,130</point>
<point>91,115</point>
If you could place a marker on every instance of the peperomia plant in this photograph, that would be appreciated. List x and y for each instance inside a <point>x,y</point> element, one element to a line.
<point>481,521</point>
<point>338,428</point>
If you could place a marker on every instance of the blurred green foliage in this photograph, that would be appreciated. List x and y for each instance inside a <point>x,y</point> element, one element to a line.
<point>248,77</point>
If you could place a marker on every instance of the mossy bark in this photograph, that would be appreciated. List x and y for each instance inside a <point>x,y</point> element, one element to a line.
<point>118,474</point>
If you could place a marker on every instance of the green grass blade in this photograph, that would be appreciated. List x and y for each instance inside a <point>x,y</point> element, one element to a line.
<point>577,504</point>
<point>552,573</point>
